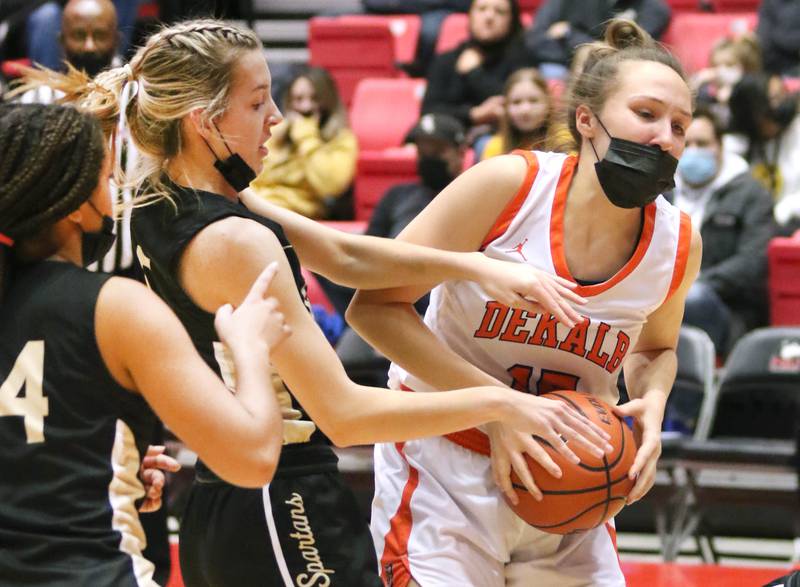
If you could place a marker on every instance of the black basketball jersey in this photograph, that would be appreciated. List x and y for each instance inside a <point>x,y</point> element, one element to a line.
<point>69,439</point>
<point>161,231</point>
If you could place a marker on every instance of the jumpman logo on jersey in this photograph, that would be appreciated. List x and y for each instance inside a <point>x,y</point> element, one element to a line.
<point>518,249</point>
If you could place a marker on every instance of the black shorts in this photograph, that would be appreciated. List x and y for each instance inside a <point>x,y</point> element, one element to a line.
<point>227,535</point>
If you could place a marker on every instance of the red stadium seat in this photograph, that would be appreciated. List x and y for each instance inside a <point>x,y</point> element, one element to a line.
<point>377,172</point>
<point>404,28</point>
<point>352,51</point>
<point>380,170</point>
<point>688,5</point>
<point>735,5</point>
<point>791,84</point>
<point>455,30</point>
<point>11,67</point>
<point>691,36</point>
<point>469,159</point>
<point>384,110</point>
<point>784,280</point>
<point>148,10</point>
<point>530,6</point>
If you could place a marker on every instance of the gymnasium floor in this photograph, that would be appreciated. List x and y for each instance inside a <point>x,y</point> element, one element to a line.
<point>643,573</point>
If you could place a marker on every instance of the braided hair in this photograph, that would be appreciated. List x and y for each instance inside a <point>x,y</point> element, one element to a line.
<point>50,161</point>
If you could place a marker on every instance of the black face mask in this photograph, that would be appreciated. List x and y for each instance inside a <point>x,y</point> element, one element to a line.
<point>434,173</point>
<point>785,112</point>
<point>91,63</point>
<point>631,174</point>
<point>236,172</point>
<point>95,245</point>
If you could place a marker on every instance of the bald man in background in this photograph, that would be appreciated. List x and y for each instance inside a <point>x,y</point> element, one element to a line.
<point>88,41</point>
<point>89,35</point>
<point>45,34</point>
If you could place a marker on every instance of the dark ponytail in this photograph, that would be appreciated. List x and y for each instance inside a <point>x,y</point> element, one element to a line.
<point>50,161</point>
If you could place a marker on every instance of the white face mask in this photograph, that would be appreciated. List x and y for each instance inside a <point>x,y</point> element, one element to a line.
<point>729,75</point>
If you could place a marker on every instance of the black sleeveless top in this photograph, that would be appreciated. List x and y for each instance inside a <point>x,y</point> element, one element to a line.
<point>71,439</point>
<point>161,231</point>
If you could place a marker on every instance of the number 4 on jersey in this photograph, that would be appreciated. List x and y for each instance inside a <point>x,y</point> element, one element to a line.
<point>32,405</point>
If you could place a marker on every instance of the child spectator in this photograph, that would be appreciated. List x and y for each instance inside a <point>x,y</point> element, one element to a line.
<point>730,60</point>
<point>527,114</point>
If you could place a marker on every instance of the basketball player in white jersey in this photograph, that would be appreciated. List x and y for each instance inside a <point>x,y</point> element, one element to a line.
<point>438,515</point>
<point>196,100</point>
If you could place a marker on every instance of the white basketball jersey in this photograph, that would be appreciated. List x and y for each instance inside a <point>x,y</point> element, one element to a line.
<point>534,352</point>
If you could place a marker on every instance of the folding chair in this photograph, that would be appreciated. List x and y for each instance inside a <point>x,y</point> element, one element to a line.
<point>693,393</point>
<point>751,439</point>
<point>686,413</point>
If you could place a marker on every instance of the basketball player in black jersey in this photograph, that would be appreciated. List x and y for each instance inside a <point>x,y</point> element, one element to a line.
<point>81,356</point>
<point>201,115</point>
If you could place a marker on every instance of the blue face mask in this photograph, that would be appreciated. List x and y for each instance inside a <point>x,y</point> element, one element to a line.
<point>698,166</point>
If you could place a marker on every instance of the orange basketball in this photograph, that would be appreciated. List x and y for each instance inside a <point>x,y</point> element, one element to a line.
<point>589,493</point>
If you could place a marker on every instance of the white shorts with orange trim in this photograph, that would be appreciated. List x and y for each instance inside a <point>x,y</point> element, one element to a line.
<point>439,518</point>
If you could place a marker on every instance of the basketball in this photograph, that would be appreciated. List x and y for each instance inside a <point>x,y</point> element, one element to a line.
<point>590,492</point>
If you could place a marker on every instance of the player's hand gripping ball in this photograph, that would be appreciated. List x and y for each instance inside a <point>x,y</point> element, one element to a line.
<point>589,493</point>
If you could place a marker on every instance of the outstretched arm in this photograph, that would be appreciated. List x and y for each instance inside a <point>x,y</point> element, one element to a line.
<point>226,256</point>
<point>369,262</point>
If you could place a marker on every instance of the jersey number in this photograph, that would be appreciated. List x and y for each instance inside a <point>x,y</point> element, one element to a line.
<point>548,380</point>
<point>33,406</point>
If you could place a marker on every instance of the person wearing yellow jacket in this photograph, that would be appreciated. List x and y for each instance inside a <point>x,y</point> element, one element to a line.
<point>312,153</point>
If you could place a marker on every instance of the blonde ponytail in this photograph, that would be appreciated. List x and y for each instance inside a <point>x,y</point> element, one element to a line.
<point>181,68</point>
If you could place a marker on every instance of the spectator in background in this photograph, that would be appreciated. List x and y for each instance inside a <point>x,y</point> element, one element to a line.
<point>89,38</point>
<point>778,23</point>
<point>441,146</point>
<point>467,82</point>
<point>527,113</point>
<point>561,25</point>
<point>440,141</point>
<point>312,153</point>
<point>734,214</point>
<point>432,14</point>
<point>46,41</point>
<point>89,35</point>
<point>765,129</point>
<point>730,59</point>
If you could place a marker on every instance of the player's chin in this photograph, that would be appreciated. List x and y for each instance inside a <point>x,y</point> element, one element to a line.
<point>257,163</point>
